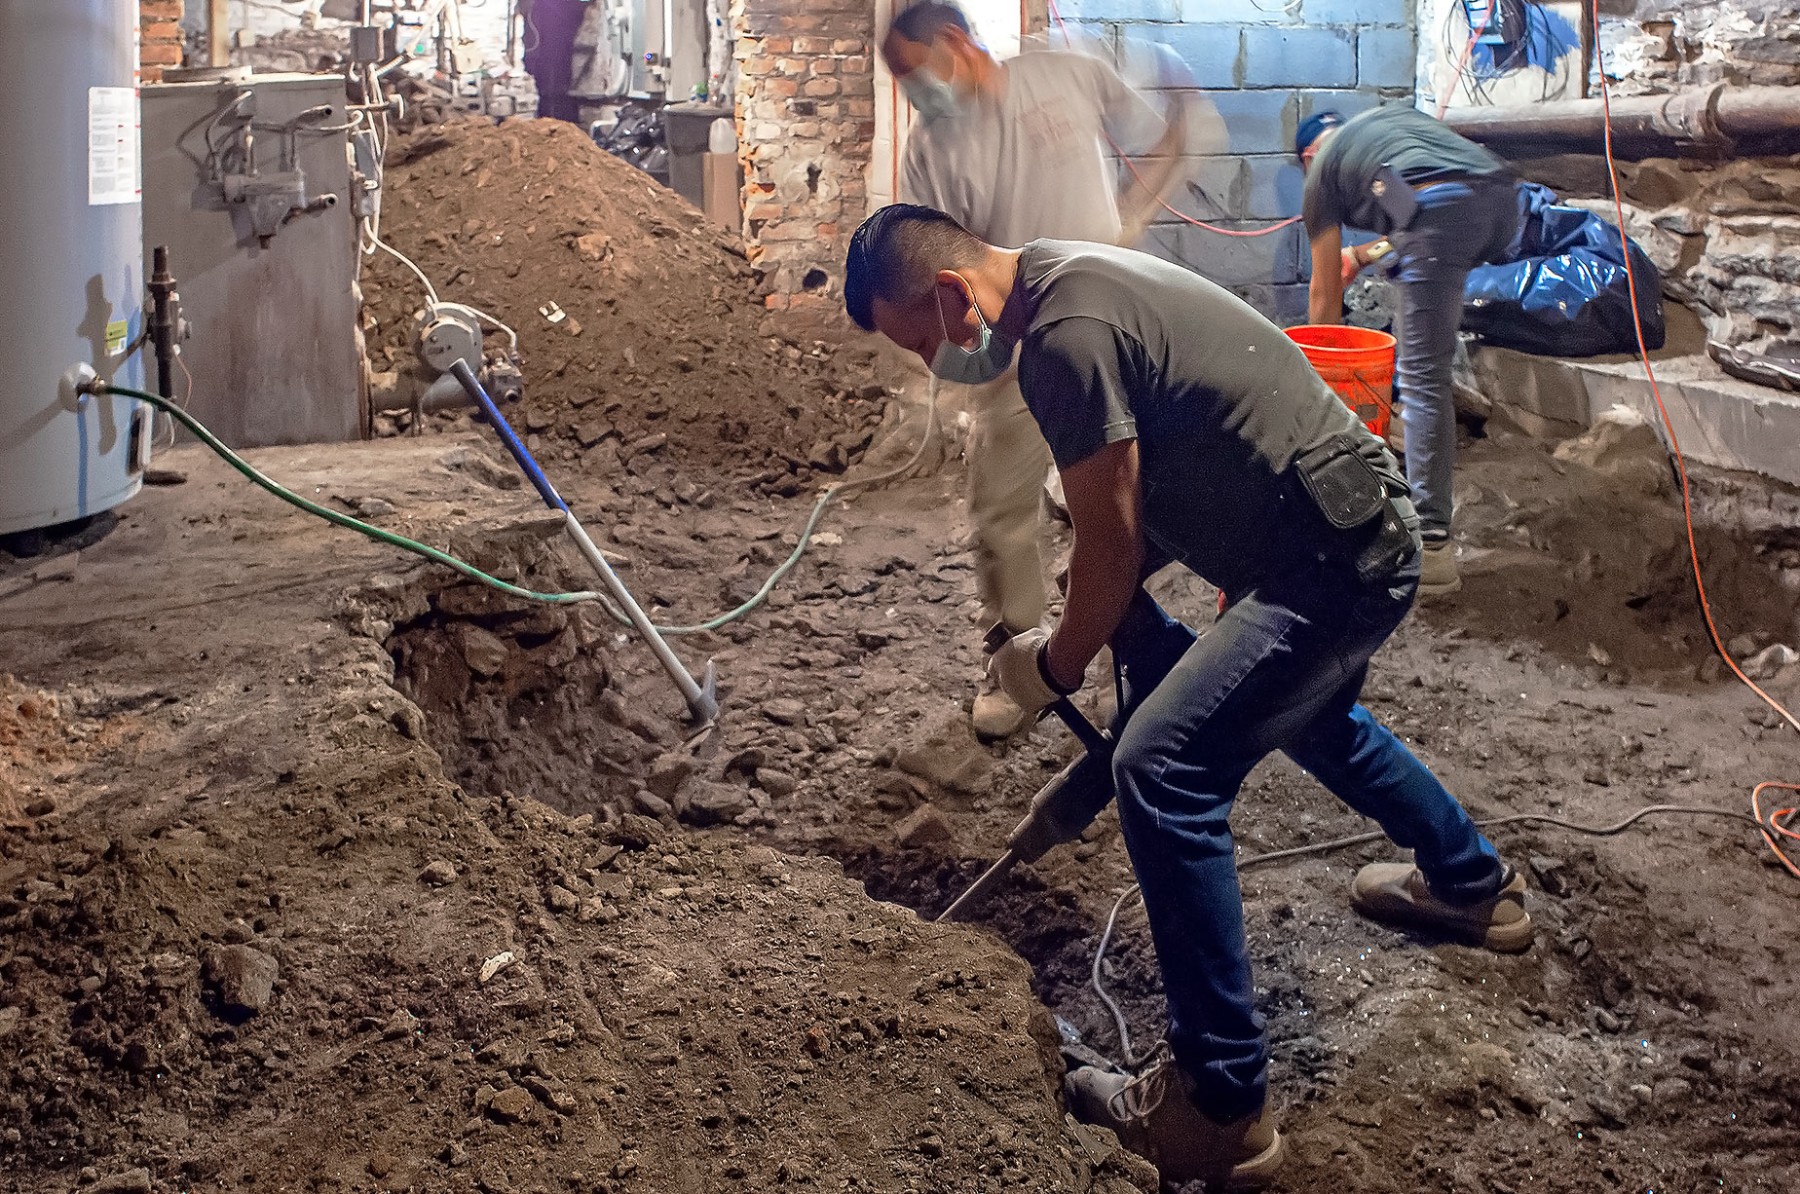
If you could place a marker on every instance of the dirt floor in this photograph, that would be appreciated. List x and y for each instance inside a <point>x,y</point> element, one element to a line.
<point>322,870</point>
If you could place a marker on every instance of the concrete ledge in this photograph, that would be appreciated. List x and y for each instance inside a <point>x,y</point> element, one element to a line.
<point>1719,420</point>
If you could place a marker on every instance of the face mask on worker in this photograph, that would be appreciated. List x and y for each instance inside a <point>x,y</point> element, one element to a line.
<point>931,96</point>
<point>990,357</point>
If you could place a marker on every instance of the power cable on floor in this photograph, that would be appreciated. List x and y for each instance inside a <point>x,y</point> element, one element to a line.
<point>1132,1058</point>
<point>269,484</point>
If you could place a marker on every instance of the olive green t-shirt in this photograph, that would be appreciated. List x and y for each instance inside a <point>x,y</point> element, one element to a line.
<point>1124,346</point>
<point>1340,180</point>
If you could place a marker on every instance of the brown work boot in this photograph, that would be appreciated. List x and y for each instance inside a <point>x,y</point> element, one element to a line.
<point>1396,892</point>
<point>1437,569</point>
<point>1154,1116</point>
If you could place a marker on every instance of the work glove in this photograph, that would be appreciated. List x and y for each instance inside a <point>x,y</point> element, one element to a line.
<point>1349,266</point>
<point>1018,667</point>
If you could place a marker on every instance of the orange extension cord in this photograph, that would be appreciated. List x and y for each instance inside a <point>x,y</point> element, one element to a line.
<point>1777,826</point>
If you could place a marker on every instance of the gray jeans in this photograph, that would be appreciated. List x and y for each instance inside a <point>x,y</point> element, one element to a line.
<point>1459,225</point>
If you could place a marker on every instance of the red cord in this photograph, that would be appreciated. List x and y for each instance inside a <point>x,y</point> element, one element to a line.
<point>1160,201</point>
<point>1776,826</point>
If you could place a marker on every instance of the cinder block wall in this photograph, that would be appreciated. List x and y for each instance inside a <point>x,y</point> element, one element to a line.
<point>1266,67</point>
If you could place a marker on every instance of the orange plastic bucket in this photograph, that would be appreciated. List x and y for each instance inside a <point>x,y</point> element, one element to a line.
<point>1356,362</point>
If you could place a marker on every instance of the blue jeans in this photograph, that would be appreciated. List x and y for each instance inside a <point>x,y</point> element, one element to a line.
<point>1459,225</point>
<point>1281,670</point>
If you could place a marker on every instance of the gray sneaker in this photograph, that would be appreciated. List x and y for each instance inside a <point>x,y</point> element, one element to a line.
<point>1153,1115</point>
<point>1437,569</point>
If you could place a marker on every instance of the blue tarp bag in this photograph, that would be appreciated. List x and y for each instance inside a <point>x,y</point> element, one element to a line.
<point>1562,290</point>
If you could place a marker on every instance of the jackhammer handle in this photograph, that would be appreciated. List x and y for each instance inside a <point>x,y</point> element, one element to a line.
<point>1093,739</point>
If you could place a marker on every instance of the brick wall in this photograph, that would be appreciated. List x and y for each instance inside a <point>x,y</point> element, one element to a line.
<point>1266,67</point>
<point>159,22</point>
<point>806,120</point>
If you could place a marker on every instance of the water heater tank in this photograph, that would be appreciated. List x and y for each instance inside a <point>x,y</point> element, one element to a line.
<point>71,235</point>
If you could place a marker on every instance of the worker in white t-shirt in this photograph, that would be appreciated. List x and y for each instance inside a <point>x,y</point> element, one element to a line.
<point>1017,151</point>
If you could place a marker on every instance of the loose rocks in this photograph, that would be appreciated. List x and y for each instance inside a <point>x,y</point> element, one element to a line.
<point>243,978</point>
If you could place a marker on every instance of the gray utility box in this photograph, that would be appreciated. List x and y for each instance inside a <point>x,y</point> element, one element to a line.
<point>263,242</point>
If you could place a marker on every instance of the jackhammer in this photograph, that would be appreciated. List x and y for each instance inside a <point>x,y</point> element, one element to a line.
<point>1147,644</point>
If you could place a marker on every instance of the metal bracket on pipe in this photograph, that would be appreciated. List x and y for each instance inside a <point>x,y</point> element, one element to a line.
<point>701,697</point>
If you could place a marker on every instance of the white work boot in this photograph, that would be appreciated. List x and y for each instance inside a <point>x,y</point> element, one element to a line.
<point>995,715</point>
<point>1154,1116</point>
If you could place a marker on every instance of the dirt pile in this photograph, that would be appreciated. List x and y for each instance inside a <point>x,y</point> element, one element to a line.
<point>640,323</point>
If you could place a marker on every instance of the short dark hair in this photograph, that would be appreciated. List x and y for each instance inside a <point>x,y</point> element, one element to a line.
<point>923,22</point>
<point>896,255</point>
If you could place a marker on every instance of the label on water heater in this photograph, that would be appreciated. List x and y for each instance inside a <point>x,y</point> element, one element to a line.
<point>114,171</point>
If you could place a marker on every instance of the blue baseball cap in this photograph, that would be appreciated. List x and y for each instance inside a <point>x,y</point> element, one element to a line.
<point>1314,127</point>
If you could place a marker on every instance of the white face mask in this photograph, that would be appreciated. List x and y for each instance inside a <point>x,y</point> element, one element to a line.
<point>990,357</point>
<point>931,96</point>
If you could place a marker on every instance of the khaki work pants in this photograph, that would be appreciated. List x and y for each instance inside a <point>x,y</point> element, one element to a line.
<point>1008,460</point>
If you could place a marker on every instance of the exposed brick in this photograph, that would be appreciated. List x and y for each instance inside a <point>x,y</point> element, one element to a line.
<point>824,66</point>
<point>849,45</point>
<point>821,88</point>
<point>857,65</point>
<point>765,211</point>
<point>160,10</point>
<point>791,66</point>
<point>803,129</point>
<point>762,64</point>
<point>826,230</point>
<point>860,107</point>
<point>164,31</point>
<point>782,88</point>
<point>1298,58</point>
<point>160,54</point>
<point>812,45</point>
<point>777,45</point>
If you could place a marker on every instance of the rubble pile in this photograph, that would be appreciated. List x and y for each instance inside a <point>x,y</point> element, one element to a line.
<point>641,325</point>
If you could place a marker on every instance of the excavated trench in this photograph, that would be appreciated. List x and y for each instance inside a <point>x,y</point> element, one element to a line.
<point>557,705</point>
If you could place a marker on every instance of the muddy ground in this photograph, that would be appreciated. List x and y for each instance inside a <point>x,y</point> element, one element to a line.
<point>277,800</point>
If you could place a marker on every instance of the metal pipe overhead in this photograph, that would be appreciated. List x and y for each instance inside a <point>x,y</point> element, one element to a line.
<point>1717,116</point>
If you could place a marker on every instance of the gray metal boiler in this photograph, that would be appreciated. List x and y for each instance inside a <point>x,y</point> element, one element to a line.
<point>248,182</point>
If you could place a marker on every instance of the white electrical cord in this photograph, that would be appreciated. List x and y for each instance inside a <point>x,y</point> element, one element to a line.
<point>376,242</point>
